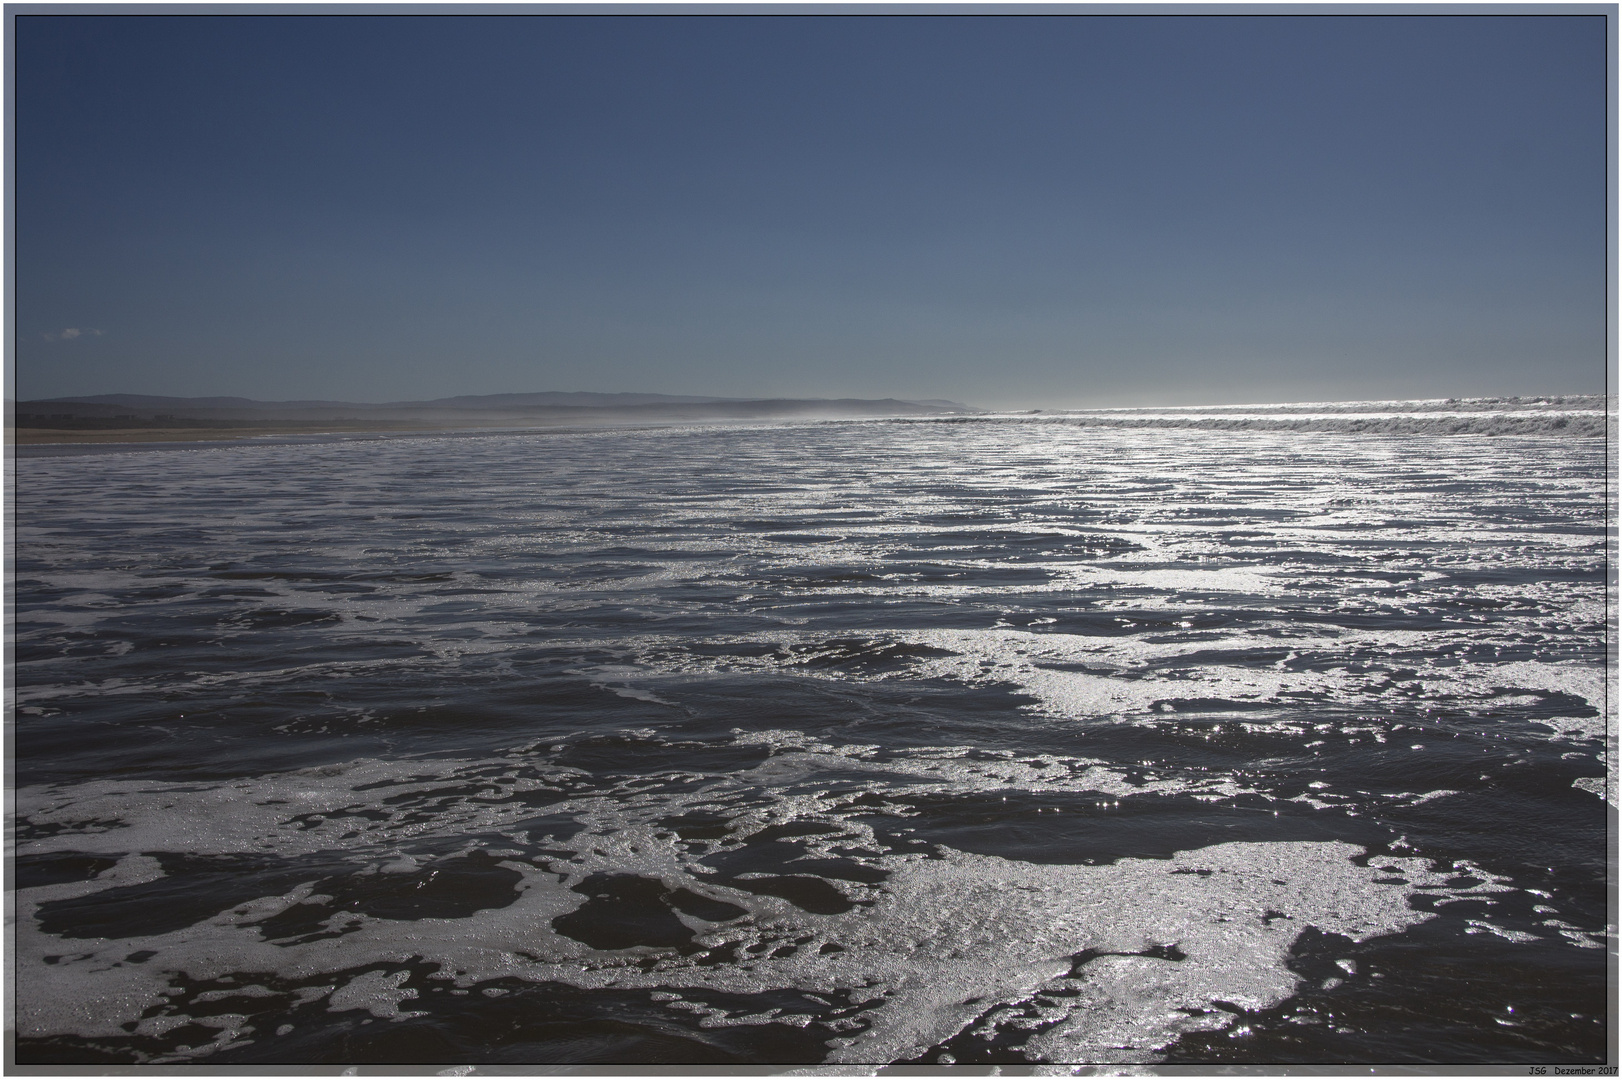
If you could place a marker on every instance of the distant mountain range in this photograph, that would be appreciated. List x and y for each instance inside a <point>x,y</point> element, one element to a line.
<point>479,410</point>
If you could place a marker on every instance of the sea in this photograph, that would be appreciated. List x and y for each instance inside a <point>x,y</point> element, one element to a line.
<point>1225,737</point>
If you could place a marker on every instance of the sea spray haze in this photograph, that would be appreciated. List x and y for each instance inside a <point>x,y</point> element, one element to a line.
<point>987,739</point>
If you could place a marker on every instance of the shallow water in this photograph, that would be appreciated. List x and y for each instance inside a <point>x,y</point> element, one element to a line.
<point>992,740</point>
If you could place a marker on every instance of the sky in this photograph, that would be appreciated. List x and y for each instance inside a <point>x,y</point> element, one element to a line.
<point>1012,211</point>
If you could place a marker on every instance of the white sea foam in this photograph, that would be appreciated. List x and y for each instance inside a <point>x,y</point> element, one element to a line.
<point>1134,677</point>
<point>1292,595</point>
<point>1560,417</point>
<point>944,943</point>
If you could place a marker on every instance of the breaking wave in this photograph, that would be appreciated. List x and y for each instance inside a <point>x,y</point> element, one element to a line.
<point>1584,416</point>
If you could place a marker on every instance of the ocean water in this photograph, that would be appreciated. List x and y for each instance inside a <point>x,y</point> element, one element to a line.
<point>1008,739</point>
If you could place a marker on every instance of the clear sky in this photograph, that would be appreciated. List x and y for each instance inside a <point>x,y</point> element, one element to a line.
<point>1012,211</point>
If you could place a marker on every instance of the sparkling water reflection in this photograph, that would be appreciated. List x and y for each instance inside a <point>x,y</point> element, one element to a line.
<point>978,740</point>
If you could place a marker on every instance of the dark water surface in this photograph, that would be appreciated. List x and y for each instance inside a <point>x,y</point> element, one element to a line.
<point>987,741</point>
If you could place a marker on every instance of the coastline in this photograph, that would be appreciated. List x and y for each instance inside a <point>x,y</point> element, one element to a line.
<point>39,436</point>
<point>1589,416</point>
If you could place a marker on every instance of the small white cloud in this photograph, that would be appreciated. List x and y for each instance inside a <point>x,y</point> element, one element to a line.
<point>71,332</point>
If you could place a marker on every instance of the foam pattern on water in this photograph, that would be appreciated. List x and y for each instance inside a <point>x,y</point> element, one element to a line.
<point>1002,740</point>
<point>917,945</point>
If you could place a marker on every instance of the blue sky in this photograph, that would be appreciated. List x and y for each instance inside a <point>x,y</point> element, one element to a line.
<point>1014,211</point>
